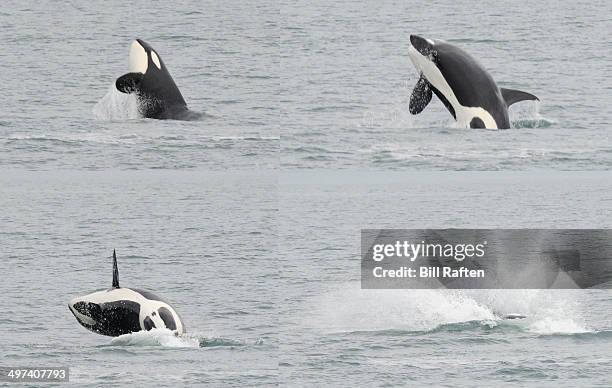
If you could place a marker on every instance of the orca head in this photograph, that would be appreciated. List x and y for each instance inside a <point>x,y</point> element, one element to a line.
<point>424,46</point>
<point>87,312</point>
<point>424,55</point>
<point>144,64</point>
<point>150,80</point>
<point>427,55</point>
<point>143,58</point>
<point>107,312</point>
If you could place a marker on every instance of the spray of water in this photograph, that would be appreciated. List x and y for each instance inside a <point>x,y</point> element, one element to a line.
<point>167,338</point>
<point>117,106</point>
<point>349,308</point>
<point>527,115</point>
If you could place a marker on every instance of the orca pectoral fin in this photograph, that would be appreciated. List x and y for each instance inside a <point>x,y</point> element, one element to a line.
<point>129,83</point>
<point>421,96</point>
<point>511,96</point>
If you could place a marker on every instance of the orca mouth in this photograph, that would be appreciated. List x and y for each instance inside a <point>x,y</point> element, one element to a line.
<point>422,45</point>
<point>85,312</point>
<point>81,307</point>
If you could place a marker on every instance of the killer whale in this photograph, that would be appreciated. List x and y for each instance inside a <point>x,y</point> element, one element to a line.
<point>121,310</point>
<point>149,79</point>
<point>514,316</point>
<point>466,89</point>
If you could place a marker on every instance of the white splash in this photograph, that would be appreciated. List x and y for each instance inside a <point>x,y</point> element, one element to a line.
<point>353,309</point>
<point>527,114</point>
<point>117,106</point>
<point>350,308</point>
<point>547,311</point>
<point>156,337</point>
<point>557,325</point>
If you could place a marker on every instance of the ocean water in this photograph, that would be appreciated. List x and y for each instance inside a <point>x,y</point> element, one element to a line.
<point>184,235</point>
<point>189,206</point>
<point>60,63</point>
<point>332,333</point>
<point>262,260</point>
<point>346,80</point>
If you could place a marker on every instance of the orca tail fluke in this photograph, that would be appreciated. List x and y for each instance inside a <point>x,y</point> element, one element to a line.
<point>511,96</point>
<point>115,271</point>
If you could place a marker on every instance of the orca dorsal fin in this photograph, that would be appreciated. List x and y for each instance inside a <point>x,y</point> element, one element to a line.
<point>115,271</point>
<point>511,96</point>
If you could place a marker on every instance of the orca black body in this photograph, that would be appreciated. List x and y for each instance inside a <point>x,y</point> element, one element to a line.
<point>120,310</point>
<point>515,316</point>
<point>149,79</point>
<point>466,89</point>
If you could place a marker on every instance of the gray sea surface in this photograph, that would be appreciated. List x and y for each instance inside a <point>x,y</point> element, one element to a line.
<point>349,336</point>
<point>60,109</point>
<point>262,260</point>
<point>346,80</point>
<point>189,206</point>
<point>184,235</point>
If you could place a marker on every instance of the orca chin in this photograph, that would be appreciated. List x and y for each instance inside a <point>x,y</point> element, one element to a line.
<point>148,78</point>
<point>82,312</point>
<point>465,88</point>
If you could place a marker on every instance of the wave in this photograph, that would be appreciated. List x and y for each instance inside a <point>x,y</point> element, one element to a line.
<point>545,327</point>
<point>143,136</point>
<point>245,138</point>
<point>17,138</point>
<point>418,312</point>
<point>557,325</point>
<point>167,338</point>
<point>156,337</point>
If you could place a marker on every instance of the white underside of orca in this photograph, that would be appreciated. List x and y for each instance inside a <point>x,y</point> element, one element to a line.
<point>464,114</point>
<point>138,60</point>
<point>147,306</point>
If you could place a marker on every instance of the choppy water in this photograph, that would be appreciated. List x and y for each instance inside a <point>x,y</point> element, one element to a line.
<point>184,235</point>
<point>346,81</point>
<point>193,235</point>
<point>193,207</point>
<point>59,62</point>
<point>353,337</point>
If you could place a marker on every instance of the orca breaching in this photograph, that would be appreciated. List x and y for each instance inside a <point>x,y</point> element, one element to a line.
<point>466,89</point>
<point>149,79</point>
<point>120,310</point>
